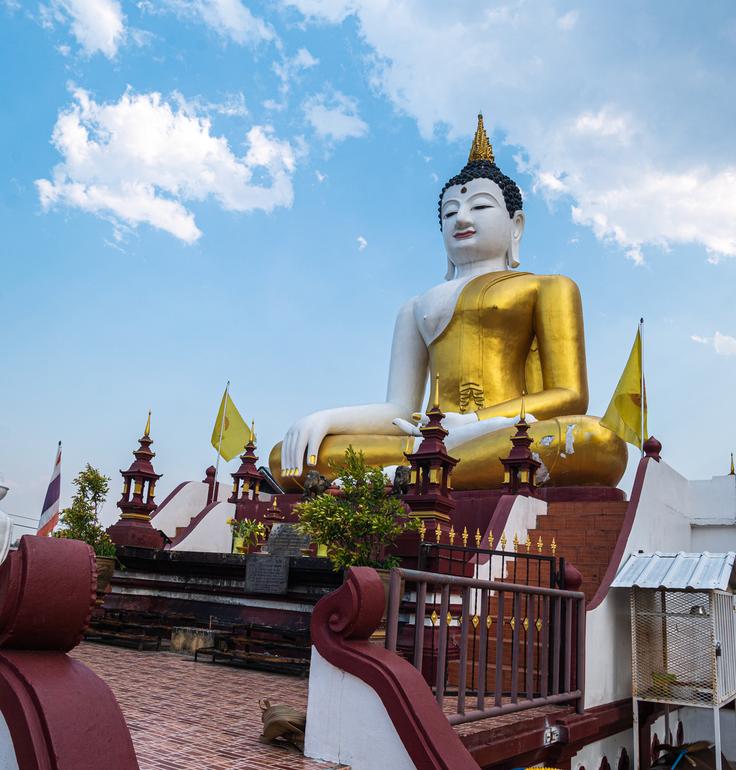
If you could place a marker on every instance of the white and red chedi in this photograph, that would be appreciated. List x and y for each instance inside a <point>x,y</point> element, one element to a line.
<point>50,514</point>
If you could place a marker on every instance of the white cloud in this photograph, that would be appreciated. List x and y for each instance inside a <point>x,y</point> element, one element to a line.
<point>362,243</point>
<point>723,344</point>
<point>289,67</point>
<point>228,18</point>
<point>629,134</point>
<point>568,20</point>
<point>320,176</point>
<point>231,105</point>
<point>142,159</point>
<point>335,116</point>
<point>97,25</point>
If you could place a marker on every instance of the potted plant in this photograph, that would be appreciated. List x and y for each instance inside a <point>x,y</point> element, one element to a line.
<point>79,522</point>
<point>246,533</point>
<point>358,525</point>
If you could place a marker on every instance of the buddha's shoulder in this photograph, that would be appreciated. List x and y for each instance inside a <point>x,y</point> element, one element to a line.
<point>553,282</point>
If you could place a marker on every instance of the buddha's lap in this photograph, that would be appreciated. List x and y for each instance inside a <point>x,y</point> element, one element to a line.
<point>575,449</point>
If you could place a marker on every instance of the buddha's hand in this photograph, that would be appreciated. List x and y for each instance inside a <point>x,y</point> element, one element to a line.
<point>305,434</point>
<point>451,422</point>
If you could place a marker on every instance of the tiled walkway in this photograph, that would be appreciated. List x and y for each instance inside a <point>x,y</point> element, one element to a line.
<point>195,716</point>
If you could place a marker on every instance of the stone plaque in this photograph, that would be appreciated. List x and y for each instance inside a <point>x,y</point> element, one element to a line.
<point>266,574</point>
<point>286,540</point>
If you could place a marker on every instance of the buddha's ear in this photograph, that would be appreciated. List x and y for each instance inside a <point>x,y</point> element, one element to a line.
<point>450,274</point>
<point>517,230</point>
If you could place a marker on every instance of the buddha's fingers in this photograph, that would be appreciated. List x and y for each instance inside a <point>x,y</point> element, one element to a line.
<point>315,442</point>
<point>407,427</point>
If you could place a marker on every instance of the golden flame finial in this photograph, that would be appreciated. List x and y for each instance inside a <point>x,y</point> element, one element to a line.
<point>253,431</point>
<point>147,431</point>
<point>436,397</point>
<point>522,414</point>
<point>733,471</point>
<point>481,148</point>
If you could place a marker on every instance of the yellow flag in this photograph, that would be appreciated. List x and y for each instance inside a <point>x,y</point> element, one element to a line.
<point>235,433</point>
<point>626,415</point>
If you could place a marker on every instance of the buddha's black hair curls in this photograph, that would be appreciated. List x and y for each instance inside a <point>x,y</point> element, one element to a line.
<point>485,169</point>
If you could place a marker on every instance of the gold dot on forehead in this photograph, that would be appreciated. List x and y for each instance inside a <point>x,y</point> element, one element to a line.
<point>463,189</point>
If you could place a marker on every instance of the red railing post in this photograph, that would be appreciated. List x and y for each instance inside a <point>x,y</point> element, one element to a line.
<point>560,636</point>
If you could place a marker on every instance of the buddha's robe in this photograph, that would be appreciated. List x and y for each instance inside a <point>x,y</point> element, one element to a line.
<point>510,332</point>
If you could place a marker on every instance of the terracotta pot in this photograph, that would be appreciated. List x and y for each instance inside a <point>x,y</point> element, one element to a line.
<point>105,568</point>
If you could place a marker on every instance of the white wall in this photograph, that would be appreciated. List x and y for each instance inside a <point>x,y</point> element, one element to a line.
<point>591,756</point>
<point>699,726</point>
<point>187,502</point>
<point>212,534</point>
<point>348,724</point>
<point>661,524</point>
<point>8,760</point>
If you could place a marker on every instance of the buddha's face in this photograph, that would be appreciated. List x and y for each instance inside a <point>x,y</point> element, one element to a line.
<point>476,224</point>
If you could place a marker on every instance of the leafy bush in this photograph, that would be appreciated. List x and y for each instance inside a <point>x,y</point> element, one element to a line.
<point>358,525</point>
<point>252,531</point>
<point>79,521</point>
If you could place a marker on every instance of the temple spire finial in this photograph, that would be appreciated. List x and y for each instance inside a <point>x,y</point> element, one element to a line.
<point>436,393</point>
<point>253,431</point>
<point>147,431</point>
<point>732,472</point>
<point>522,414</point>
<point>481,148</point>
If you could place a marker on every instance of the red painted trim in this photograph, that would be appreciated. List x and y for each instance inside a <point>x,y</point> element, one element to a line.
<point>193,522</point>
<point>341,625</point>
<point>60,715</point>
<point>521,744</point>
<point>623,535</point>
<point>47,591</point>
<point>174,492</point>
<point>497,523</point>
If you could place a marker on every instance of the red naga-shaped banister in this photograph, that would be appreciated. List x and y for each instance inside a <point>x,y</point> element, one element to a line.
<point>60,715</point>
<point>342,623</point>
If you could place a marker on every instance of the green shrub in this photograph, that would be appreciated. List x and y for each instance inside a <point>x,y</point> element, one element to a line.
<point>358,525</point>
<point>79,521</point>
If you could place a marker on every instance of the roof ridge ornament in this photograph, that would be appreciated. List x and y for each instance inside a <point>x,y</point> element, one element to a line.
<point>481,148</point>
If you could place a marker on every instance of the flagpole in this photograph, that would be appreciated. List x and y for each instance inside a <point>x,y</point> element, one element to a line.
<point>219,443</point>
<point>643,395</point>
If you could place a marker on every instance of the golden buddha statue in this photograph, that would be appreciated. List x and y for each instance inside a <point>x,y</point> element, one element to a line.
<point>492,333</point>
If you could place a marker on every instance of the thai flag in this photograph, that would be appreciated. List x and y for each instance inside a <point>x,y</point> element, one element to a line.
<point>50,515</point>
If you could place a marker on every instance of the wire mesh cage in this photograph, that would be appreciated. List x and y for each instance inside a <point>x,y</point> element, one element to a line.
<point>683,646</point>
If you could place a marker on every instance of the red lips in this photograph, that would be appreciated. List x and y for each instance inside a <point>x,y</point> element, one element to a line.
<point>464,234</point>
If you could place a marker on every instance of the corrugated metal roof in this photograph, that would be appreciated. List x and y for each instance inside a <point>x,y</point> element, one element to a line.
<point>696,571</point>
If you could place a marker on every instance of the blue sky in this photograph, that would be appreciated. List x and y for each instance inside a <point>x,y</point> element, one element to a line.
<point>202,190</point>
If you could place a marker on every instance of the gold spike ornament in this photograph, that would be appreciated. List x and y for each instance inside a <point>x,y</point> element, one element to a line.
<point>452,535</point>
<point>481,148</point>
<point>465,537</point>
<point>478,538</point>
<point>422,530</point>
